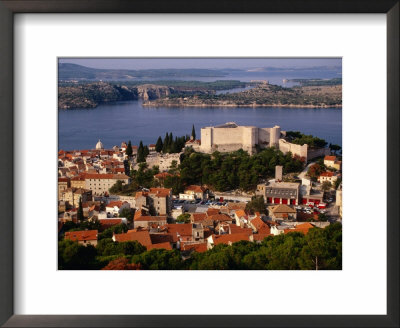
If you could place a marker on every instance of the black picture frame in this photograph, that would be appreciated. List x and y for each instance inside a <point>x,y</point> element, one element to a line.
<point>10,7</point>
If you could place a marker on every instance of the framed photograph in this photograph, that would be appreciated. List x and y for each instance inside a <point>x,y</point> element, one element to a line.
<point>170,156</point>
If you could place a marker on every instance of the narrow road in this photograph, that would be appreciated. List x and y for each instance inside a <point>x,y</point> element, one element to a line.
<point>304,172</point>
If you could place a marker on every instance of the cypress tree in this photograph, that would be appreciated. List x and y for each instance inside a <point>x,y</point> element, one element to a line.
<point>193,133</point>
<point>166,143</point>
<point>129,149</point>
<point>159,145</point>
<point>146,151</point>
<point>79,214</point>
<point>140,155</point>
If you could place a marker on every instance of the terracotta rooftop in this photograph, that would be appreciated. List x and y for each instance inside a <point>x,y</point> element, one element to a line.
<point>117,203</point>
<point>330,158</point>
<point>235,229</point>
<point>198,217</point>
<point>183,229</point>
<point>220,217</point>
<point>160,192</point>
<point>303,228</point>
<point>200,248</point>
<point>142,237</point>
<point>83,235</point>
<point>150,218</point>
<point>327,174</point>
<point>240,213</point>
<point>282,208</point>
<point>194,188</point>
<point>230,238</point>
<point>212,211</point>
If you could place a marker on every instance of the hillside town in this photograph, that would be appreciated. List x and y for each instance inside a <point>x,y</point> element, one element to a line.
<point>147,198</point>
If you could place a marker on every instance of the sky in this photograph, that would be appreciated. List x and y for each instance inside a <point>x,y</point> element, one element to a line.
<point>212,63</point>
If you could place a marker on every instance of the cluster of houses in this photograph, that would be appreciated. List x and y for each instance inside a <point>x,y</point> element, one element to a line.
<point>86,177</point>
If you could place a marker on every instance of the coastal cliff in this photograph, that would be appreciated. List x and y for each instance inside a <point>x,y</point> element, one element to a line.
<point>92,94</point>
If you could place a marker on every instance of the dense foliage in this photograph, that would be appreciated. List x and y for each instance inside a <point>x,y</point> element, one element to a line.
<point>319,249</point>
<point>257,204</point>
<point>235,170</point>
<point>299,138</point>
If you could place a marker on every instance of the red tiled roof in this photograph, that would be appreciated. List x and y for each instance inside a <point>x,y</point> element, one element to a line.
<point>150,218</point>
<point>158,238</point>
<point>327,174</point>
<point>220,217</point>
<point>82,235</point>
<point>160,192</point>
<point>258,224</point>
<point>282,208</point>
<point>200,248</point>
<point>142,237</point>
<point>198,217</point>
<point>240,213</point>
<point>195,188</point>
<point>117,203</point>
<point>183,229</point>
<point>330,158</point>
<point>303,228</point>
<point>212,211</point>
<point>140,194</point>
<point>233,238</point>
<point>235,229</point>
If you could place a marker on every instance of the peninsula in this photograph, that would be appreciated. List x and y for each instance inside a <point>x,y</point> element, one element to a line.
<point>263,95</point>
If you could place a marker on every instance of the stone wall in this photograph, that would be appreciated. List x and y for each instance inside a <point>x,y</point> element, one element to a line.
<point>295,149</point>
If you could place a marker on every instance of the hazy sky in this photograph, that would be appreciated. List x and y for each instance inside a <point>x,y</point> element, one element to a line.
<point>146,63</point>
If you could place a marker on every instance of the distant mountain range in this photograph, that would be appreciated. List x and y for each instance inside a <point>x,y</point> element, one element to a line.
<point>67,71</point>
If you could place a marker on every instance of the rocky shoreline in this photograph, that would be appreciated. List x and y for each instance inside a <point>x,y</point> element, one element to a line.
<point>202,105</point>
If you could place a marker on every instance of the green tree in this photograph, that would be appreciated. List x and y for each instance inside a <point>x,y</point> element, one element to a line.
<point>159,259</point>
<point>159,145</point>
<point>79,213</point>
<point>72,256</point>
<point>315,250</point>
<point>183,218</point>
<point>257,204</point>
<point>141,156</point>
<point>326,185</point>
<point>335,148</point>
<point>127,213</point>
<point>315,170</point>
<point>146,151</point>
<point>193,133</point>
<point>129,150</point>
<point>337,183</point>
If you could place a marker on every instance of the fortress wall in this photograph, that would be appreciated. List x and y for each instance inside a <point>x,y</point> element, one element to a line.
<point>227,148</point>
<point>298,150</point>
<point>206,139</point>
<point>249,136</point>
<point>263,137</point>
<point>313,153</point>
<point>275,135</point>
<point>223,136</point>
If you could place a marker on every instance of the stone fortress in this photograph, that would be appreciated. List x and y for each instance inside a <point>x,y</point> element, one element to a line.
<point>230,137</point>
